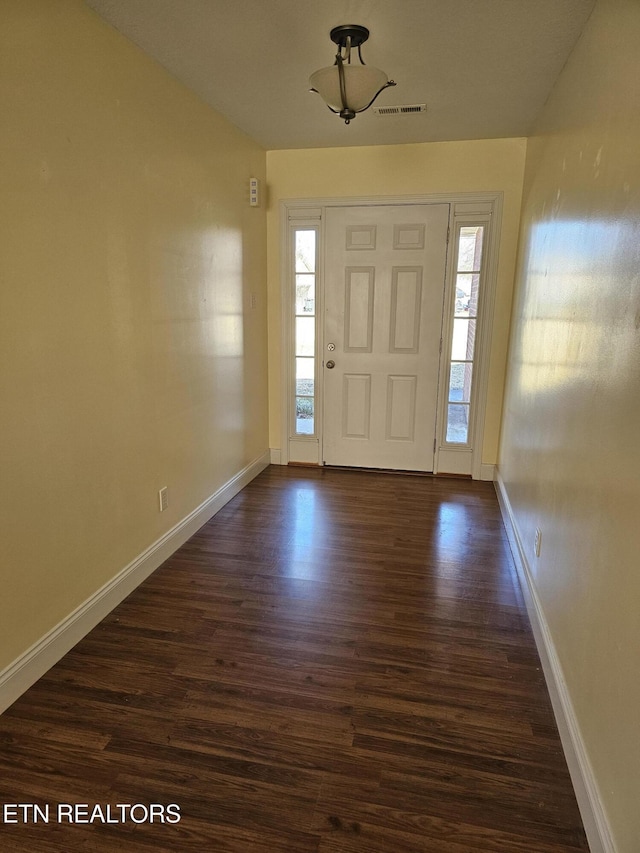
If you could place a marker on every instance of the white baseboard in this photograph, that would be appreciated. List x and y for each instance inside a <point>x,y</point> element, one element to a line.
<point>276,456</point>
<point>33,663</point>
<point>594,817</point>
<point>487,472</point>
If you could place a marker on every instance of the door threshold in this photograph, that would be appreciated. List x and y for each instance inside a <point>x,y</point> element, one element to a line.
<point>400,471</point>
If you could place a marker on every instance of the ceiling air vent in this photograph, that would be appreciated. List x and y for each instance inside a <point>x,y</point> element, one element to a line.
<point>400,110</point>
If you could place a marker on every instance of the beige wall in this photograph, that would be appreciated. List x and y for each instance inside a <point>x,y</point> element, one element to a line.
<point>129,356</point>
<point>396,170</point>
<point>570,453</point>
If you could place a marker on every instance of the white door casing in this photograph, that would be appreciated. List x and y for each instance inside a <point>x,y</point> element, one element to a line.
<point>385,269</point>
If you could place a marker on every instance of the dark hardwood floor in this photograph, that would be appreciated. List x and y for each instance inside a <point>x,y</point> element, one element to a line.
<point>338,662</point>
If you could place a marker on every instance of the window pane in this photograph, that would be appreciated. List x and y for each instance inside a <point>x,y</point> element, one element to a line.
<point>305,335</point>
<point>470,248</point>
<point>305,294</point>
<point>464,335</point>
<point>305,376</point>
<point>304,416</point>
<point>467,287</point>
<point>305,250</point>
<point>457,424</point>
<point>460,382</point>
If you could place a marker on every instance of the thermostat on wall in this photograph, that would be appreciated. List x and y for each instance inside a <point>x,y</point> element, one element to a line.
<point>254,192</point>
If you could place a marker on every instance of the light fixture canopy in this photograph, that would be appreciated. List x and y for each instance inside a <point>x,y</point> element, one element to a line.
<point>345,88</point>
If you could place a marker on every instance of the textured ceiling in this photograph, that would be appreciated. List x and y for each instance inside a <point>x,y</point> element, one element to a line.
<point>483,67</point>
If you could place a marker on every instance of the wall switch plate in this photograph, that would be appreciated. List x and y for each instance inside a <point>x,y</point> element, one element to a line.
<point>254,192</point>
<point>163,498</point>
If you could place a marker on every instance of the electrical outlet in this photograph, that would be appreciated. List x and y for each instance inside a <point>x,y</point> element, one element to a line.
<point>537,542</point>
<point>163,498</point>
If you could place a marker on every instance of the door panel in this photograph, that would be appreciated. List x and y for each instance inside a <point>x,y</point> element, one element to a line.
<point>358,309</point>
<point>406,308</point>
<point>401,408</point>
<point>384,288</point>
<point>356,408</point>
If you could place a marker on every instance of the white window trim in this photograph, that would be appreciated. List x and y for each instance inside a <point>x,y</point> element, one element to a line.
<point>466,208</point>
<point>299,218</point>
<point>467,458</point>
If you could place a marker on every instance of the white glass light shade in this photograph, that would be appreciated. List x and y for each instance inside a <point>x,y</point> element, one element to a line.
<point>362,83</point>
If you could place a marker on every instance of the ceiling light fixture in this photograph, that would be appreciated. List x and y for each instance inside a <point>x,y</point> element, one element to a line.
<point>345,88</point>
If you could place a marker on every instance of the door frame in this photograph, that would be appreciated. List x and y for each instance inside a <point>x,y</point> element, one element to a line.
<point>484,208</point>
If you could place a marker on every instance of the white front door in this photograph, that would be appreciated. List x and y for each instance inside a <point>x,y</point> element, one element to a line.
<point>384,290</point>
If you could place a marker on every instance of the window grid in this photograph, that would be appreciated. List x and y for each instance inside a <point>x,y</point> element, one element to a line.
<point>305,265</point>
<point>465,316</point>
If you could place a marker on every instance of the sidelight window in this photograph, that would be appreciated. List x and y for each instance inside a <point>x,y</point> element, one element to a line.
<point>305,271</point>
<point>468,275</point>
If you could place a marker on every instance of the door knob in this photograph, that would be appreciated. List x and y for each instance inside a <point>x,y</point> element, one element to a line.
<point>331,365</point>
